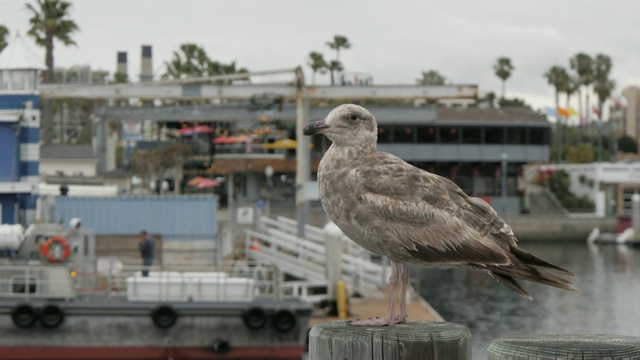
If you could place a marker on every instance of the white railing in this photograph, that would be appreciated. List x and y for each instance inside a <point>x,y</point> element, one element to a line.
<point>275,242</point>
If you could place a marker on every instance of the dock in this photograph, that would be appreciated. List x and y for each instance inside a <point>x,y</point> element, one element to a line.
<point>372,306</point>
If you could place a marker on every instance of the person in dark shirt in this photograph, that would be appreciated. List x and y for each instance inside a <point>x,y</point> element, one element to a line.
<point>147,250</point>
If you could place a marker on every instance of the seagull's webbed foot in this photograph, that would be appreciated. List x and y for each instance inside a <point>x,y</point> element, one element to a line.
<point>378,321</point>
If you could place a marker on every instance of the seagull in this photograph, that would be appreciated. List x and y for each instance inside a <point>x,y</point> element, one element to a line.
<point>414,217</point>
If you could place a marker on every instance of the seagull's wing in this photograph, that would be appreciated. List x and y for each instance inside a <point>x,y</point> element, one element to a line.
<point>434,219</point>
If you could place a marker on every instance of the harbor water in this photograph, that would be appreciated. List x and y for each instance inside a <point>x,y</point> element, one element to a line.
<point>607,301</point>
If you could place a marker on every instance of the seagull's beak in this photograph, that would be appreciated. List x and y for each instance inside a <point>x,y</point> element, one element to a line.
<point>316,127</point>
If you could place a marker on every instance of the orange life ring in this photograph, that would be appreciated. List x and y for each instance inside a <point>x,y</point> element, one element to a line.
<point>51,255</point>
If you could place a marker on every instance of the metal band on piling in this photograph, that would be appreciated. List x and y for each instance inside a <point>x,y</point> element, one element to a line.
<point>337,340</point>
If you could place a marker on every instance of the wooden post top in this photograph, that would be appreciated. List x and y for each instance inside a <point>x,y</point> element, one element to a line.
<point>564,346</point>
<point>413,340</point>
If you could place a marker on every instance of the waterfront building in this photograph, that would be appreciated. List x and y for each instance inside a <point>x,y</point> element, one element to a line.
<point>465,144</point>
<point>20,71</point>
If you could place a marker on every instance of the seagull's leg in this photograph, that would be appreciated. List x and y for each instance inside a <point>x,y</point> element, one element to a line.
<point>390,319</point>
<point>404,285</point>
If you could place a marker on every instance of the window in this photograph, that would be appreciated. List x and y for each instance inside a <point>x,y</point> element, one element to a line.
<point>516,135</point>
<point>403,134</point>
<point>426,134</point>
<point>493,135</point>
<point>537,136</point>
<point>472,135</point>
<point>449,134</point>
<point>19,284</point>
<point>384,134</point>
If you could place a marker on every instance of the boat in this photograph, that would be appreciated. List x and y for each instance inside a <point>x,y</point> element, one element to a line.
<point>58,301</point>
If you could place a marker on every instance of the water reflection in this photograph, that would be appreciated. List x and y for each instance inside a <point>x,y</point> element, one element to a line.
<point>607,277</point>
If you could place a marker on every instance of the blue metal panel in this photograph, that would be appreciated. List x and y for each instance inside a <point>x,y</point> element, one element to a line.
<point>8,207</point>
<point>29,135</point>
<point>173,217</point>
<point>29,168</point>
<point>8,152</point>
<point>17,101</point>
<point>27,201</point>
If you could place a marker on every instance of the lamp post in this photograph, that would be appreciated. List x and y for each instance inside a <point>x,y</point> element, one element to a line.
<point>504,158</point>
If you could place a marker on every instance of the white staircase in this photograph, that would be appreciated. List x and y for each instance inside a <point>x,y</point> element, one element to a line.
<point>275,242</point>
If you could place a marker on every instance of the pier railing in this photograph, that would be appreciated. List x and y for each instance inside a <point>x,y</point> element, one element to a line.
<point>276,242</point>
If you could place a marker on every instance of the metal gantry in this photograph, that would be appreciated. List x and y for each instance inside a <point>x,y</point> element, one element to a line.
<point>219,87</point>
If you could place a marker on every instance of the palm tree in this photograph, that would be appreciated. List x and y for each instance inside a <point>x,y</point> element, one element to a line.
<point>558,77</point>
<point>582,64</point>
<point>50,21</point>
<point>503,69</point>
<point>431,77</point>
<point>190,61</point>
<point>334,66</point>
<point>339,42</point>
<point>316,63</point>
<point>4,33</point>
<point>603,86</point>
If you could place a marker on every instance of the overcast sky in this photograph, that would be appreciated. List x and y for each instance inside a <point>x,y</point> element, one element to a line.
<point>393,40</point>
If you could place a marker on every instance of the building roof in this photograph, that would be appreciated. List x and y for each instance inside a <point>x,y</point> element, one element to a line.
<point>18,55</point>
<point>68,152</point>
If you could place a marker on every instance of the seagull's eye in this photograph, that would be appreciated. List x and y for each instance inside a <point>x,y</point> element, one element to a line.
<point>353,117</point>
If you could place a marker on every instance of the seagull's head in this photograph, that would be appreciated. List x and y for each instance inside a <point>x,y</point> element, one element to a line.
<point>347,124</point>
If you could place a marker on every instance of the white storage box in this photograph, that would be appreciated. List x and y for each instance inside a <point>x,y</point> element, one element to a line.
<point>222,289</point>
<point>174,289</point>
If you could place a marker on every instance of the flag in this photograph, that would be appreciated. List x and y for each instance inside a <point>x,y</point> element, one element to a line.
<point>620,101</point>
<point>596,111</point>
<point>563,112</point>
<point>549,111</point>
<point>572,111</point>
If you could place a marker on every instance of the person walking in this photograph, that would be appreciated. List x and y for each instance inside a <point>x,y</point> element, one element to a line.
<point>147,250</point>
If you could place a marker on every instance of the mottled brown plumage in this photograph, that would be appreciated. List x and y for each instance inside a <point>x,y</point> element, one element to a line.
<point>412,216</point>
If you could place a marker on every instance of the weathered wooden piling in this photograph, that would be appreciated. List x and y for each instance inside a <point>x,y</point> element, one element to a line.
<point>565,346</point>
<point>337,340</point>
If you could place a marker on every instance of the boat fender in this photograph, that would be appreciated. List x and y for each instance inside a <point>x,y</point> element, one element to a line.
<point>51,316</point>
<point>221,347</point>
<point>284,320</point>
<point>164,316</point>
<point>24,316</point>
<point>255,318</point>
<point>46,249</point>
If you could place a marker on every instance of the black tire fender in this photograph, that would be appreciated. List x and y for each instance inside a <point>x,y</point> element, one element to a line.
<point>164,316</point>
<point>221,347</point>
<point>284,320</point>
<point>24,316</point>
<point>255,318</point>
<point>51,316</point>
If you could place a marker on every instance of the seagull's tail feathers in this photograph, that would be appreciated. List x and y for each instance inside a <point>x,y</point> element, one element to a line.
<point>528,267</point>
<point>532,260</point>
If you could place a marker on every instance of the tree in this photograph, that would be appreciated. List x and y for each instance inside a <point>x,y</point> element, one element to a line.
<point>317,63</point>
<point>503,69</point>
<point>190,61</point>
<point>50,21</point>
<point>558,77</point>
<point>334,66</point>
<point>431,77</point>
<point>339,42</point>
<point>582,64</point>
<point>603,86</point>
<point>627,144</point>
<point>4,33</point>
